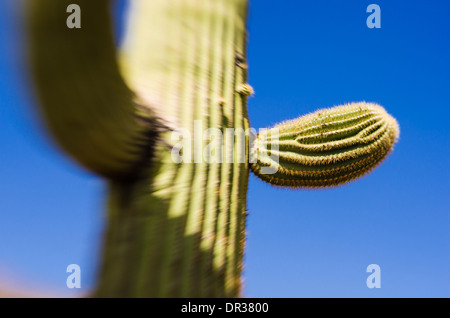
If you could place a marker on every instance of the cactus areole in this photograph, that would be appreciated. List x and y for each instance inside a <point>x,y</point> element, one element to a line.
<point>177,228</point>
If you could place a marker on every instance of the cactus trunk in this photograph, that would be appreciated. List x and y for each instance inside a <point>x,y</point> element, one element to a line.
<point>179,230</point>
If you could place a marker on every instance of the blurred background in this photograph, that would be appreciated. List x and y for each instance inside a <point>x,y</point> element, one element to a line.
<point>303,55</point>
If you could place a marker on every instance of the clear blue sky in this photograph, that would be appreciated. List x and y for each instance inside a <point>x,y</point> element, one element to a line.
<point>303,55</point>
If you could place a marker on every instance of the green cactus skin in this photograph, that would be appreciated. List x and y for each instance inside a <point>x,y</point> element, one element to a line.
<point>326,148</point>
<point>173,229</point>
<point>93,115</point>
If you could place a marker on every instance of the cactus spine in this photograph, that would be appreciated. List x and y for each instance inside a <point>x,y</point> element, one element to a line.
<point>326,148</point>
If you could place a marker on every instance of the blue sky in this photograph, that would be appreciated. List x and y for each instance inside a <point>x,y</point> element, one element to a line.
<point>303,55</point>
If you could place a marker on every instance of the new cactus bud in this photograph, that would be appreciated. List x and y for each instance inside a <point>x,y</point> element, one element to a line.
<point>326,148</point>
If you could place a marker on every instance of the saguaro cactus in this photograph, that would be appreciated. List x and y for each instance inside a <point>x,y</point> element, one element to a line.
<point>178,228</point>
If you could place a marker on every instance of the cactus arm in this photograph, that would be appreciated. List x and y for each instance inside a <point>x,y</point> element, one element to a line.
<point>86,104</point>
<point>179,232</point>
<point>326,148</point>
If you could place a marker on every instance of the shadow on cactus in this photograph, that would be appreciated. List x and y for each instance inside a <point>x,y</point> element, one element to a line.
<point>177,229</point>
